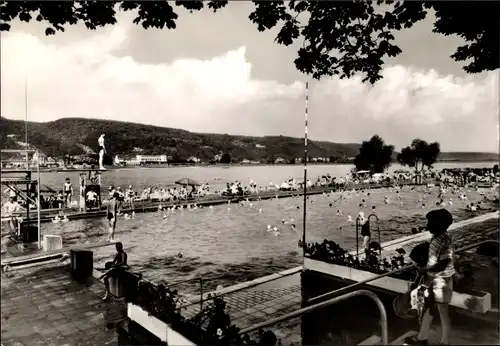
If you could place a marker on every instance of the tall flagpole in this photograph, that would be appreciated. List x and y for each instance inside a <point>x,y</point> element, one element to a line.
<point>305,174</point>
<point>26,120</point>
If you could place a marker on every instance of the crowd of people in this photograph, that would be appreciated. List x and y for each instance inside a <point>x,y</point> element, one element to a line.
<point>65,197</point>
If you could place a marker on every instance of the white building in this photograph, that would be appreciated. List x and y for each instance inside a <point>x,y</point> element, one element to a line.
<point>151,159</point>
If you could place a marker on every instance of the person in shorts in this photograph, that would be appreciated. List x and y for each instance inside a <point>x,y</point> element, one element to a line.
<point>439,276</point>
<point>112,211</point>
<point>10,208</point>
<point>114,268</point>
<point>120,200</point>
<point>365,231</point>
<point>68,192</point>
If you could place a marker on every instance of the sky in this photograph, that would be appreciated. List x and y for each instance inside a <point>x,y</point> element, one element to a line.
<point>205,76</point>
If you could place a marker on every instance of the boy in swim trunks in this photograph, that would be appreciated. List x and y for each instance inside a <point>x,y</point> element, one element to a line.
<point>112,211</point>
<point>68,192</point>
<point>439,276</point>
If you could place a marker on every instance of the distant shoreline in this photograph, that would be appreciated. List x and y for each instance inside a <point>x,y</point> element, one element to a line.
<point>153,166</point>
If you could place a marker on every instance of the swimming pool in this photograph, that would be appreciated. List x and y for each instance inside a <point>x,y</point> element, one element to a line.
<point>233,240</point>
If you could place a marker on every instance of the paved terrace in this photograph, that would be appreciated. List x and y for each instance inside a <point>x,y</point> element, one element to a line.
<point>43,305</point>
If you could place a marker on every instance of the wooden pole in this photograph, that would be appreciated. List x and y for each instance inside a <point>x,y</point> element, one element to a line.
<point>305,174</point>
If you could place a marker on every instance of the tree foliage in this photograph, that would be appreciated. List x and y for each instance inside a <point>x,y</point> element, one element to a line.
<point>337,38</point>
<point>374,155</point>
<point>225,158</point>
<point>419,152</point>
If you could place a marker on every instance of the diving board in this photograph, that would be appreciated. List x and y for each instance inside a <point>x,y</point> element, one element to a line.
<point>18,260</point>
<point>76,170</point>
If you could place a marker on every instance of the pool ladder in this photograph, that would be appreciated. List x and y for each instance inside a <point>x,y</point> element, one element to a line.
<point>358,227</point>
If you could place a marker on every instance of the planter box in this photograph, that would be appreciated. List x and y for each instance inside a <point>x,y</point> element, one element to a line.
<point>156,327</point>
<point>474,301</point>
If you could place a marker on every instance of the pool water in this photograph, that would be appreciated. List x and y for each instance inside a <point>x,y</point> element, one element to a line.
<point>232,240</point>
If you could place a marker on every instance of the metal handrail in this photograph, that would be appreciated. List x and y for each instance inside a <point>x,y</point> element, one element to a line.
<point>360,283</point>
<point>357,235</point>
<point>369,294</point>
<point>378,231</point>
<point>200,279</point>
<point>230,292</point>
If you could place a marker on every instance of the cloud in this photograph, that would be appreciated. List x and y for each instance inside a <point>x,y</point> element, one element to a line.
<point>87,78</point>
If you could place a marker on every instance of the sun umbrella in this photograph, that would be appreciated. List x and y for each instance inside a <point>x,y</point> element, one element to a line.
<point>187,181</point>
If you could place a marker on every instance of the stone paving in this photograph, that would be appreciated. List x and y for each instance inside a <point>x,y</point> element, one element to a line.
<point>269,300</point>
<point>43,305</point>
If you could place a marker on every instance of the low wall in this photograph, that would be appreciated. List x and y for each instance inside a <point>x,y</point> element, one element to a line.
<point>396,286</point>
<point>159,329</point>
<point>346,323</point>
<point>354,320</point>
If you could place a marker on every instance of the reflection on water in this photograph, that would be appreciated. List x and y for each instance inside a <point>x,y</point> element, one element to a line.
<point>235,244</point>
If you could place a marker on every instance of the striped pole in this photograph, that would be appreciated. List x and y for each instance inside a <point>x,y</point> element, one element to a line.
<point>305,174</point>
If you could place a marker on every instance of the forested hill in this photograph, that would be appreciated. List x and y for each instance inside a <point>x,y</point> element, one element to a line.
<point>76,135</point>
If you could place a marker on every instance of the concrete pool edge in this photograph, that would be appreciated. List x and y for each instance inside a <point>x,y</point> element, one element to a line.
<point>247,284</point>
<point>426,236</point>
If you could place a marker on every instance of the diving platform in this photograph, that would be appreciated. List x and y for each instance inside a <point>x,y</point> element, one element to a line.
<point>16,180</point>
<point>57,170</point>
<point>41,256</point>
<point>76,170</point>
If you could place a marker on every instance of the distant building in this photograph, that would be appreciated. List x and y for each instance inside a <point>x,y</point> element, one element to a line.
<point>131,162</point>
<point>38,157</point>
<point>260,146</point>
<point>280,160</point>
<point>151,159</point>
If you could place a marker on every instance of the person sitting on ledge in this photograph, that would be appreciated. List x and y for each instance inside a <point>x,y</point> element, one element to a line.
<point>118,265</point>
<point>439,273</point>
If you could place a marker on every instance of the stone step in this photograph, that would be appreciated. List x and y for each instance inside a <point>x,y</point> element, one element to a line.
<point>400,340</point>
<point>372,340</point>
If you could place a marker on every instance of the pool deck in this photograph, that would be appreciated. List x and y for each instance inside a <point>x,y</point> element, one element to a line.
<point>43,305</point>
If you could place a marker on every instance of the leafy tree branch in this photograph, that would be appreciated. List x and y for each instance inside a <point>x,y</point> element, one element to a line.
<point>338,38</point>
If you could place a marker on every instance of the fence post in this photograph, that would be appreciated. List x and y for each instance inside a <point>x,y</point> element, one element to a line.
<point>201,294</point>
